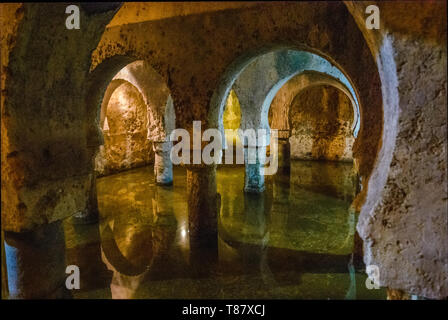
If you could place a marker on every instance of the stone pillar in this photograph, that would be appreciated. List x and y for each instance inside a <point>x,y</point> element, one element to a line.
<point>35,262</point>
<point>90,214</point>
<point>4,275</point>
<point>203,207</point>
<point>163,168</point>
<point>203,204</point>
<point>254,177</point>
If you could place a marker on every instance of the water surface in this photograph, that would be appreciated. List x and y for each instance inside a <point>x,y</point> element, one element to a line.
<point>294,241</point>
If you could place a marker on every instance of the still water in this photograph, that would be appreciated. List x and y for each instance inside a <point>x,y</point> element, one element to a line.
<point>295,241</point>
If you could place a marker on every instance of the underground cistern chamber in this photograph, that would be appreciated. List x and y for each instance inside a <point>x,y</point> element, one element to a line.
<point>224,150</point>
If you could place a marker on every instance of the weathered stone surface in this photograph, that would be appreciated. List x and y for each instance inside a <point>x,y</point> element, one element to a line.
<point>254,159</point>
<point>155,94</point>
<point>231,119</point>
<point>125,132</point>
<point>36,263</point>
<point>163,167</point>
<point>408,222</point>
<point>404,220</point>
<point>236,40</point>
<point>320,120</point>
<point>281,104</point>
<point>260,81</point>
<point>393,294</point>
<point>45,159</point>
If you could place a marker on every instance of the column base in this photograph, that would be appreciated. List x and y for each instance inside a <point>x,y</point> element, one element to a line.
<point>163,168</point>
<point>35,262</point>
<point>250,189</point>
<point>166,183</point>
<point>254,172</point>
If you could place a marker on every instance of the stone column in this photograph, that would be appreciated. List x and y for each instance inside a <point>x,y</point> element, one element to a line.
<point>163,168</point>
<point>203,207</point>
<point>35,262</point>
<point>254,175</point>
<point>203,204</point>
<point>4,275</point>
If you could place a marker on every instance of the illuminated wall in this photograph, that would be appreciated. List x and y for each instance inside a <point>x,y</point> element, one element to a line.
<point>232,118</point>
<point>125,132</point>
<point>320,120</point>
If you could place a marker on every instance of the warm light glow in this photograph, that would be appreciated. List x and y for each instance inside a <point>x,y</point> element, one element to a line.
<point>123,99</point>
<point>106,125</point>
<point>232,118</point>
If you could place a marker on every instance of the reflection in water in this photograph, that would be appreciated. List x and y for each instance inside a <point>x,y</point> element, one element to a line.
<point>295,240</point>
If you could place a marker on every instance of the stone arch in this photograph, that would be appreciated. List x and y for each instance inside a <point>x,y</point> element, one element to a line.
<point>270,72</point>
<point>126,144</point>
<point>320,125</point>
<point>256,80</point>
<point>114,84</point>
<point>231,76</point>
<point>155,93</point>
<point>75,54</point>
<point>151,86</point>
<point>284,97</point>
<point>279,111</point>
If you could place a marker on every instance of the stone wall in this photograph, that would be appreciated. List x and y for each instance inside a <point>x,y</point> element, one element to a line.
<point>125,133</point>
<point>404,219</point>
<point>320,121</point>
<point>47,161</point>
